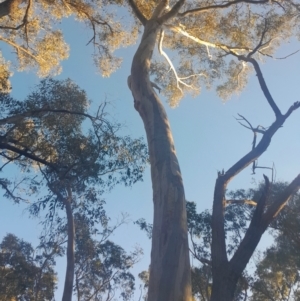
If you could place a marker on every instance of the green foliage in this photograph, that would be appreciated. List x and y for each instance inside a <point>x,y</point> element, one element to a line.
<point>24,275</point>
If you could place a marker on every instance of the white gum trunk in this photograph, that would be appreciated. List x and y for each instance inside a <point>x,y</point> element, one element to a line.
<point>170,266</point>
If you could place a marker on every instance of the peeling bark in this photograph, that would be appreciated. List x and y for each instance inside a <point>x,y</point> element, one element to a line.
<point>170,266</point>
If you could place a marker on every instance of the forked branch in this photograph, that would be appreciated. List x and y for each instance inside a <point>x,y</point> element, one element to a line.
<point>179,80</point>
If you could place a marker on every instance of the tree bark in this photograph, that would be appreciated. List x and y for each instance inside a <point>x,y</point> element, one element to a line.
<point>170,266</point>
<point>69,279</point>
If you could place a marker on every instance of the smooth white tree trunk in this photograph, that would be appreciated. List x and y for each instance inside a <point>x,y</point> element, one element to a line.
<point>170,266</point>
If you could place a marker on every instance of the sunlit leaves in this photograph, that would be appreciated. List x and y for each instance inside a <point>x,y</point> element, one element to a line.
<point>31,30</point>
<point>4,75</point>
<point>207,38</point>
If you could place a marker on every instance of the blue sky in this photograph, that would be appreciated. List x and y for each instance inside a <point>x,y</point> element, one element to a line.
<point>207,136</point>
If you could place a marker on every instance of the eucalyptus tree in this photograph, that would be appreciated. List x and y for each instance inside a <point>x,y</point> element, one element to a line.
<point>202,36</point>
<point>77,164</point>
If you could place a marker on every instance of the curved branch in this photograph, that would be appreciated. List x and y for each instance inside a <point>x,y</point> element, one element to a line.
<point>263,85</point>
<point>219,6</point>
<point>36,113</point>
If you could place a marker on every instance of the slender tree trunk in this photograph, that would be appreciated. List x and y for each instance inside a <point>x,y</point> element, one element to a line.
<point>69,279</point>
<point>170,266</point>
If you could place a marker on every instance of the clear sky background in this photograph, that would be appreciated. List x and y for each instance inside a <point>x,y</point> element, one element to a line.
<point>207,136</point>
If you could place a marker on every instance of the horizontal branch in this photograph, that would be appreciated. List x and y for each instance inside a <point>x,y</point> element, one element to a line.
<point>25,153</point>
<point>36,113</point>
<point>241,202</point>
<point>219,6</point>
<point>178,29</point>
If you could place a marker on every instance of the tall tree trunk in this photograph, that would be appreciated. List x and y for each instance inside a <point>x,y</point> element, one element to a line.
<point>69,279</point>
<point>170,266</point>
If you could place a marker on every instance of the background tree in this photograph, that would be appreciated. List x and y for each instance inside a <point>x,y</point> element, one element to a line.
<point>25,274</point>
<point>77,165</point>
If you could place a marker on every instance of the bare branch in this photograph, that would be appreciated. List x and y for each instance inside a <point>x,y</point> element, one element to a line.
<point>137,12</point>
<point>262,83</point>
<point>4,184</point>
<point>9,160</point>
<point>259,45</point>
<point>241,202</point>
<point>219,6</point>
<point>285,57</point>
